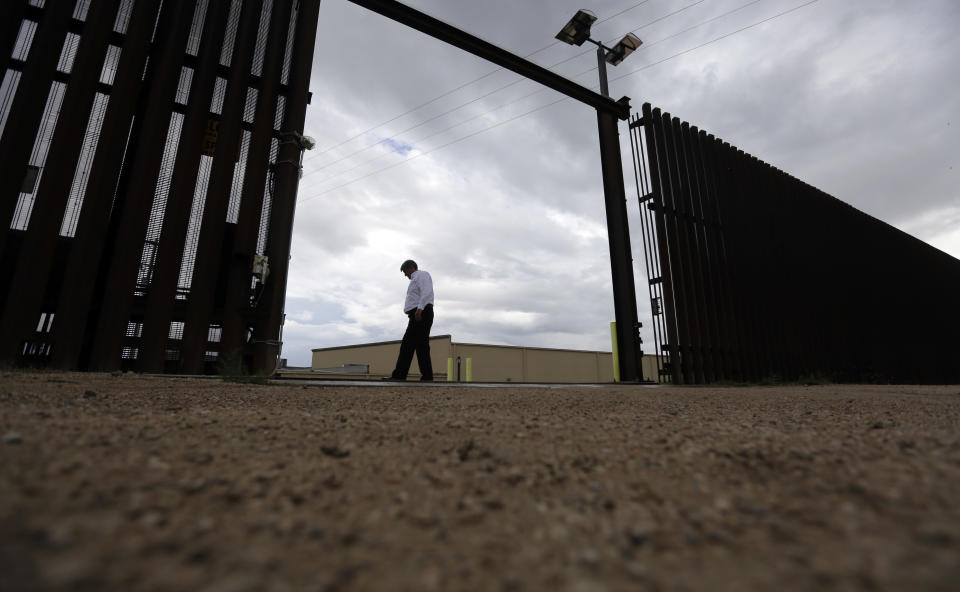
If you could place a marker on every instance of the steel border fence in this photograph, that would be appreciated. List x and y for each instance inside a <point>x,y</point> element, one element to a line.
<point>152,272</point>
<point>761,276</point>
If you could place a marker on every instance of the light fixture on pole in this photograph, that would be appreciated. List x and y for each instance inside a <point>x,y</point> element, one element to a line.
<point>301,142</point>
<point>577,30</point>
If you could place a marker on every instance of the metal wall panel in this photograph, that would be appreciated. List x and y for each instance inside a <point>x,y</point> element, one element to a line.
<point>31,275</point>
<point>125,255</point>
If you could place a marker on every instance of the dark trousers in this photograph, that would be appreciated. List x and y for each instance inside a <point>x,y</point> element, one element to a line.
<point>416,339</point>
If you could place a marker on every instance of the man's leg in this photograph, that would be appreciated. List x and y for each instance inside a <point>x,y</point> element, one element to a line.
<point>423,345</point>
<point>407,347</point>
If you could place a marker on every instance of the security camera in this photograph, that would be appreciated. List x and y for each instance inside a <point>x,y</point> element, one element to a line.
<point>307,143</point>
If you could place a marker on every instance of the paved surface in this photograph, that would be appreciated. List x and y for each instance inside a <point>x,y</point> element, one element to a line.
<point>144,483</point>
<point>443,384</point>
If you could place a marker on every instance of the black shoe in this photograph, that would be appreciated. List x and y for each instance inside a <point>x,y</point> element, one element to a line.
<point>426,379</point>
<point>393,379</point>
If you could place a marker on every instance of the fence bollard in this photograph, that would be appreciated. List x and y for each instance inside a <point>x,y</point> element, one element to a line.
<point>616,352</point>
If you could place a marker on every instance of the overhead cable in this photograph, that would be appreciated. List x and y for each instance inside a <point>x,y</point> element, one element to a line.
<point>558,101</point>
<point>515,82</point>
<point>466,84</point>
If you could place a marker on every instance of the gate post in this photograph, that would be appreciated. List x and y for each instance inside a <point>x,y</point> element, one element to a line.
<point>621,259</point>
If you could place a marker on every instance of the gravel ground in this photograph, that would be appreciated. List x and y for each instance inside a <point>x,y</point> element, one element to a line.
<point>126,482</point>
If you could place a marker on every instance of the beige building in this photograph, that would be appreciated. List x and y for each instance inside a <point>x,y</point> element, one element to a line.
<point>487,363</point>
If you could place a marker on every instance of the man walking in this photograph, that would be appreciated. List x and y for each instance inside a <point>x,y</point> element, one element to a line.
<point>419,310</point>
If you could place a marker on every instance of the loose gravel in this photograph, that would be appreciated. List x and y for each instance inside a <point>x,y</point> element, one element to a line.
<point>127,482</point>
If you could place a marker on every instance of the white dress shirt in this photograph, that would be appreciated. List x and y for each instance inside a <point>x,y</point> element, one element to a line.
<point>419,292</point>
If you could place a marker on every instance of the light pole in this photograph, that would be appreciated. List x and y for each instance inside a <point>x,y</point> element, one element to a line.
<point>576,32</point>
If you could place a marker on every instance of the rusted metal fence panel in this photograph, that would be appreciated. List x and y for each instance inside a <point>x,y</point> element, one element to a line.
<point>136,138</point>
<point>755,275</point>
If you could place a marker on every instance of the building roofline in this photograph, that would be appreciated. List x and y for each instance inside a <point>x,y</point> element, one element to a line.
<point>553,349</point>
<point>372,343</point>
<point>438,337</point>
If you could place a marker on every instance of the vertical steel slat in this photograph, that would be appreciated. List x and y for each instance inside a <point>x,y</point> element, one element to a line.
<point>709,256</point>
<point>776,294</point>
<point>680,260</point>
<point>650,215</point>
<point>732,212</point>
<point>26,111</point>
<point>712,154</point>
<point>697,253</point>
<point>782,298</point>
<point>653,123</point>
<point>88,244</point>
<point>14,12</point>
<point>649,246</point>
<point>270,317</point>
<point>131,211</point>
<point>790,312</point>
<point>762,278</point>
<point>23,305</point>
<point>238,313</point>
<point>163,287</point>
<point>757,256</point>
<point>811,327</point>
<point>711,230</point>
<point>760,264</point>
<point>712,262</point>
<point>837,293</point>
<point>799,292</point>
<point>199,313</point>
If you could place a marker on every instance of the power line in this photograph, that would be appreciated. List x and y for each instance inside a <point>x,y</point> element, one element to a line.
<point>437,133</point>
<point>562,99</point>
<point>719,16</point>
<point>386,140</point>
<point>464,122</point>
<point>740,30</point>
<point>416,156</point>
<point>515,82</point>
<point>422,123</point>
<point>464,85</point>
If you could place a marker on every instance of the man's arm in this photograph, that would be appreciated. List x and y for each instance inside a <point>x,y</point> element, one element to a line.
<point>425,285</point>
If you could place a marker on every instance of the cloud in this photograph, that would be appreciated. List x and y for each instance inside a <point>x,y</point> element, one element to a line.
<point>851,97</point>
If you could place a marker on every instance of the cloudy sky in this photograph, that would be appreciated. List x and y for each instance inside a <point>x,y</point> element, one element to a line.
<point>492,183</point>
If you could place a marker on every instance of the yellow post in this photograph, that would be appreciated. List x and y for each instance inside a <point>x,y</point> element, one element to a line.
<point>449,369</point>
<point>616,353</point>
<point>469,369</point>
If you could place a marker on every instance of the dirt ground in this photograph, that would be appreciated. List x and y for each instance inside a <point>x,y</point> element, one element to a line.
<point>136,483</point>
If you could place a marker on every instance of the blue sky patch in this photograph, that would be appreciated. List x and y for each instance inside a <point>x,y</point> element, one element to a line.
<point>401,148</point>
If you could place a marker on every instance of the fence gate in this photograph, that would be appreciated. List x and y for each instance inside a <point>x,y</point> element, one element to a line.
<point>756,275</point>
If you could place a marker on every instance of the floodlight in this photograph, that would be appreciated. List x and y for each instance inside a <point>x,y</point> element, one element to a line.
<point>577,30</point>
<point>621,50</point>
<point>302,142</point>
